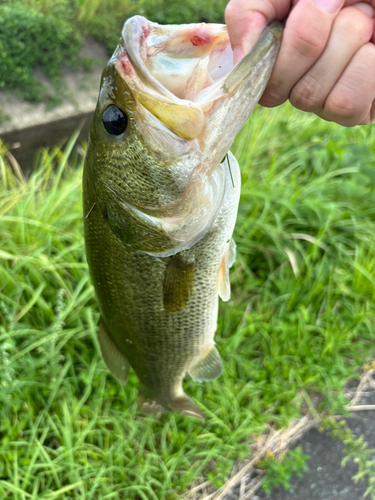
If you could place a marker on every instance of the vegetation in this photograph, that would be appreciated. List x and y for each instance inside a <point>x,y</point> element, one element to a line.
<point>300,321</point>
<point>28,27</point>
<point>105,21</point>
<point>357,450</point>
<point>280,472</point>
<point>25,34</point>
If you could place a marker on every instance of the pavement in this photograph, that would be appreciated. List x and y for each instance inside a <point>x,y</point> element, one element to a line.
<point>326,478</point>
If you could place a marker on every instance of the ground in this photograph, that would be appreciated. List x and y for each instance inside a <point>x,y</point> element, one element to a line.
<point>326,478</point>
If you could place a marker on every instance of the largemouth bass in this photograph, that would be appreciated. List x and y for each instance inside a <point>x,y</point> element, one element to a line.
<point>160,203</point>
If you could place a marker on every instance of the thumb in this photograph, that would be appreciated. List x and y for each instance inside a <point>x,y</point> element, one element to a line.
<point>246,19</point>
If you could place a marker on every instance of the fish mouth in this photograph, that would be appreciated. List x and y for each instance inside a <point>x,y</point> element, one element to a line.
<point>184,74</point>
<point>189,103</point>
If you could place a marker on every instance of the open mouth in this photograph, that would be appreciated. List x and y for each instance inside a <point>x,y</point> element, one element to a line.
<point>187,104</point>
<point>181,74</point>
<point>185,61</point>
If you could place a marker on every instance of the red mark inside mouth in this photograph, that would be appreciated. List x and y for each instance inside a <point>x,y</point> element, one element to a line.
<point>197,40</point>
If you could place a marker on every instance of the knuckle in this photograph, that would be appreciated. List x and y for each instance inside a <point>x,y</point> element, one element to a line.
<point>232,14</point>
<point>305,95</point>
<point>355,24</point>
<point>367,52</point>
<point>346,108</point>
<point>308,43</point>
<point>230,11</point>
<point>352,96</point>
<point>272,97</point>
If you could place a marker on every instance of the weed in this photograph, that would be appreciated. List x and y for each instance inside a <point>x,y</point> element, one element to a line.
<point>301,320</point>
<point>356,450</point>
<point>280,471</point>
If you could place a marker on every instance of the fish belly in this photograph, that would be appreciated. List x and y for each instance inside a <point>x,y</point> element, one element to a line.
<point>161,343</point>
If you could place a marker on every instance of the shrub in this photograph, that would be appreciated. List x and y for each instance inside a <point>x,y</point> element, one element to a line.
<point>48,33</point>
<point>29,39</point>
<point>107,21</point>
<point>177,12</point>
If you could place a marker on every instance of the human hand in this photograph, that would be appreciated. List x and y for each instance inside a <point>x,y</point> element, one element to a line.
<point>326,63</point>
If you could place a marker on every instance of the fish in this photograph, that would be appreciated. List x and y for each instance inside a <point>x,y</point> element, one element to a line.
<point>160,199</point>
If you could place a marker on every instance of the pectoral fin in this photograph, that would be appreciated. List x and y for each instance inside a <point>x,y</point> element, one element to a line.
<point>224,283</point>
<point>232,251</point>
<point>115,360</point>
<point>209,367</point>
<point>226,263</point>
<point>178,284</point>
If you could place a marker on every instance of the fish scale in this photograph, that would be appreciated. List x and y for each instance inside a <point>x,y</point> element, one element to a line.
<point>172,340</point>
<point>153,185</point>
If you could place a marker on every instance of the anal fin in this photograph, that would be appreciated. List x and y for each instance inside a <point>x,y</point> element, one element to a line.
<point>209,367</point>
<point>115,360</point>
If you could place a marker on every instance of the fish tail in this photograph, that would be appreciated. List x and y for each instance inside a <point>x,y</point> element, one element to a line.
<point>183,405</point>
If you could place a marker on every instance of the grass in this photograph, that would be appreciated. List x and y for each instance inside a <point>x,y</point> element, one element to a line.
<point>299,324</point>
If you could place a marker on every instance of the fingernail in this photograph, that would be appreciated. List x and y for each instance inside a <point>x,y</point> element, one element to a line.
<point>330,6</point>
<point>238,54</point>
<point>366,8</point>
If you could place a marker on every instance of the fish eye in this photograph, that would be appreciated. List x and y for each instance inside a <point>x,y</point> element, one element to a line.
<point>114,120</point>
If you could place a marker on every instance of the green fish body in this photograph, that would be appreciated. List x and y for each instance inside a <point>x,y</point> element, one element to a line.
<point>160,203</point>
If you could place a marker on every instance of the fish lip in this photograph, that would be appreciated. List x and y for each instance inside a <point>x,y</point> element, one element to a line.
<point>134,33</point>
<point>270,36</point>
<point>131,63</point>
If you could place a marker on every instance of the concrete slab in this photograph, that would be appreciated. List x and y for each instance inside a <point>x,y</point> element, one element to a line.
<point>79,92</point>
<point>27,127</point>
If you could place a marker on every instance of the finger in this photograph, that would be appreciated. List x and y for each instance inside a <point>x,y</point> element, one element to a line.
<point>246,19</point>
<point>351,100</point>
<point>353,2</point>
<point>369,2</point>
<point>371,116</point>
<point>352,28</point>
<point>305,36</point>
